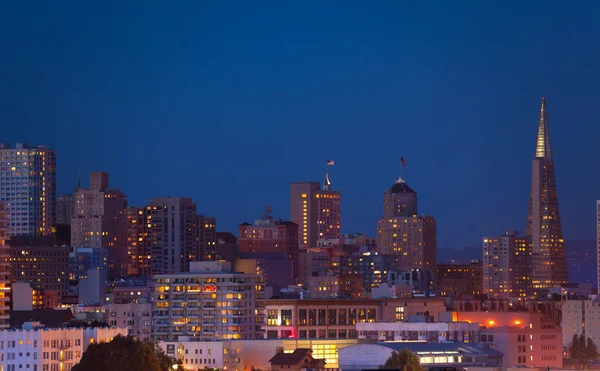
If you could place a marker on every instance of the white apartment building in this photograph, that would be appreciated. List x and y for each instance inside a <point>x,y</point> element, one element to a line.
<point>137,317</point>
<point>49,349</point>
<point>580,317</point>
<point>438,332</point>
<point>210,302</point>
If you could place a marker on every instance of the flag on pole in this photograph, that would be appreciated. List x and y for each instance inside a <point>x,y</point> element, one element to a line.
<point>402,162</point>
<point>330,162</point>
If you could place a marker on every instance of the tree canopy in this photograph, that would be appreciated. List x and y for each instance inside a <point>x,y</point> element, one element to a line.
<point>404,360</point>
<point>125,354</point>
<point>582,349</point>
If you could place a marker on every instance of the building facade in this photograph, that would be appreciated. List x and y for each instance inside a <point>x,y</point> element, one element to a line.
<point>439,332</point>
<point>4,267</point>
<point>84,258</point>
<point>507,266</point>
<point>209,303</point>
<point>206,236</point>
<point>403,233</point>
<point>44,266</point>
<point>338,318</point>
<point>49,349</point>
<point>372,267</point>
<point>460,280</point>
<point>99,222</point>
<point>28,186</point>
<point>65,205</point>
<point>316,211</point>
<point>580,317</point>
<point>135,317</point>
<point>268,235</point>
<point>138,247</point>
<point>544,227</point>
<point>171,229</point>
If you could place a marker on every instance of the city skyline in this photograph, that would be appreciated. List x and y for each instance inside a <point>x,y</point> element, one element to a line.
<point>363,89</point>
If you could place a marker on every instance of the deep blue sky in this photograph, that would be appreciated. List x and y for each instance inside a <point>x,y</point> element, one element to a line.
<point>229,102</point>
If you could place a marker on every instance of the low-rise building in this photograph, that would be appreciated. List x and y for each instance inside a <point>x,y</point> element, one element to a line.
<point>49,349</point>
<point>524,339</point>
<point>337,318</point>
<point>372,356</point>
<point>439,332</point>
<point>238,355</point>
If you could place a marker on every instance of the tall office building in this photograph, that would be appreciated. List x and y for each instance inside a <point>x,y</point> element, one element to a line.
<point>171,228</point>
<point>403,233</point>
<point>28,186</point>
<point>4,268</point>
<point>206,237</point>
<point>316,210</point>
<point>549,266</point>
<point>65,205</point>
<point>99,221</point>
<point>507,266</point>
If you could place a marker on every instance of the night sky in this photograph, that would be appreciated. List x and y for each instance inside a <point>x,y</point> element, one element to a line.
<point>228,102</point>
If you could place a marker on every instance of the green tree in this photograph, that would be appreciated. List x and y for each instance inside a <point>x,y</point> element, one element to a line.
<point>124,354</point>
<point>404,360</point>
<point>591,351</point>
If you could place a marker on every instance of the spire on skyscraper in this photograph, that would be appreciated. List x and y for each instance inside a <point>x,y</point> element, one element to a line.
<point>542,147</point>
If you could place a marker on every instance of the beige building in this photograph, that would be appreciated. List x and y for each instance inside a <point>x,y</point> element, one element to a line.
<point>208,303</point>
<point>136,317</point>
<point>99,221</point>
<point>507,266</point>
<point>403,233</point>
<point>316,210</point>
<point>580,317</point>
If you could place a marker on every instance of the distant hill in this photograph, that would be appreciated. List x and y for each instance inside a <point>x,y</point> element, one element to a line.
<point>581,258</point>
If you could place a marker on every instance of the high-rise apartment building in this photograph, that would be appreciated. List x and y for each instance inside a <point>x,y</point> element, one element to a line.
<point>316,210</point>
<point>403,233</point>
<point>208,303</point>
<point>65,205</point>
<point>507,266</point>
<point>171,228</point>
<point>99,222</point>
<point>549,265</point>
<point>206,236</point>
<point>270,235</point>
<point>28,186</point>
<point>4,268</point>
<point>138,247</point>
